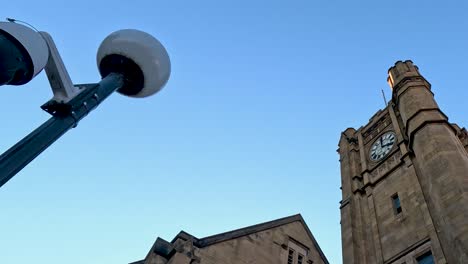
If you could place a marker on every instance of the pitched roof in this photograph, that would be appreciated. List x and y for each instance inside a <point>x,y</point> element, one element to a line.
<point>165,248</point>
<point>138,262</point>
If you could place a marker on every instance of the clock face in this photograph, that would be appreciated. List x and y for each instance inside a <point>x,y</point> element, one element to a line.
<point>382,146</point>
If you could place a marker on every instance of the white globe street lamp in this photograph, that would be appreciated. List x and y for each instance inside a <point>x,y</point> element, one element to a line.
<point>130,62</point>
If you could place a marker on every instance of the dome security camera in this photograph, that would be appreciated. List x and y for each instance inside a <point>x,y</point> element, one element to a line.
<point>140,57</point>
<point>23,52</point>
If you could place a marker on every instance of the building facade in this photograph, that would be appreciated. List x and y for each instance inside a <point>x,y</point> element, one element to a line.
<point>283,241</point>
<point>404,179</point>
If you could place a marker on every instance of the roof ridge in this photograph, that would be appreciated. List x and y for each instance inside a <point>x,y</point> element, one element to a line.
<point>185,236</point>
<point>202,242</point>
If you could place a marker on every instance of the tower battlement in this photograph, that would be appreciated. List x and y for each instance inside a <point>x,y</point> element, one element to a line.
<point>400,71</point>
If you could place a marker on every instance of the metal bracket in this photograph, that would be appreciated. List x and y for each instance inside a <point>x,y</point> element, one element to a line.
<point>56,108</point>
<point>59,80</point>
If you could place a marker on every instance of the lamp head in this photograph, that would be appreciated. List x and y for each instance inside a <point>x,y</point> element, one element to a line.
<point>140,57</point>
<point>23,53</point>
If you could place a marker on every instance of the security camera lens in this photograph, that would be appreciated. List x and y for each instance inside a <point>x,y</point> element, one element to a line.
<point>16,66</point>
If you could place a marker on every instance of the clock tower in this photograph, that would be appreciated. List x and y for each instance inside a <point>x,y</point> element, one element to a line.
<point>404,179</point>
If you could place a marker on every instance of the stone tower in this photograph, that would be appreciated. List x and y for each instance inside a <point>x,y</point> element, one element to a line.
<point>404,179</point>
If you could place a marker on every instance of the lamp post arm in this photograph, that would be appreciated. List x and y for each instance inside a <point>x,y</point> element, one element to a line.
<point>65,117</point>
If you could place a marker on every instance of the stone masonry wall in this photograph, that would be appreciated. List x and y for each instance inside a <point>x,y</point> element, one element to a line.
<point>266,247</point>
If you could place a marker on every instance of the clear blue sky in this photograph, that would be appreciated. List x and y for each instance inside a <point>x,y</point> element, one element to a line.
<point>245,131</point>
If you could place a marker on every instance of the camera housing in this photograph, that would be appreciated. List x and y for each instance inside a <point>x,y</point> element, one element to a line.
<point>23,51</point>
<point>140,57</point>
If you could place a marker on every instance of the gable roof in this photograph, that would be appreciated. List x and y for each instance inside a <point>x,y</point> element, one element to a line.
<point>164,248</point>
